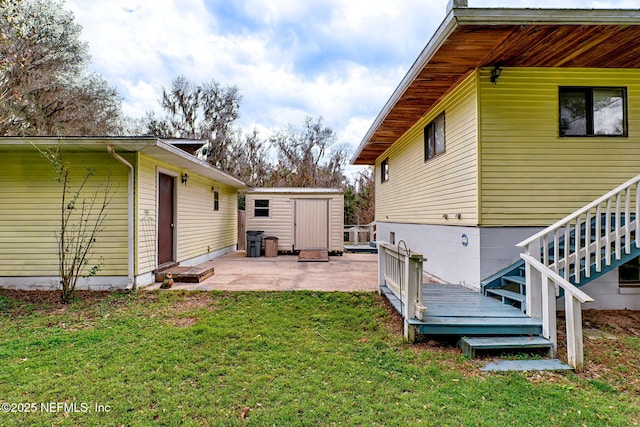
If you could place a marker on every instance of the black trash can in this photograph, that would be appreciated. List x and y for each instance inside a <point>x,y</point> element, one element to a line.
<point>254,243</point>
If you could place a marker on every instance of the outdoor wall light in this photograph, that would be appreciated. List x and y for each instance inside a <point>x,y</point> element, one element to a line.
<point>495,73</point>
<point>184,178</point>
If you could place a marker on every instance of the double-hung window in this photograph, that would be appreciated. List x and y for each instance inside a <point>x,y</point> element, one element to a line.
<point>384,170</point>
<point>593,111</point>
<point>434,138</point>
<point>261,208</point>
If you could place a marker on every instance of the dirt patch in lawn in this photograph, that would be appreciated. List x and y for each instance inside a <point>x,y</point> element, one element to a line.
<point>613,321</point>
<point>181,322</point>
<point>51,298</point>
<point>192,302</point>
<point>17,302</point>
<point>611,347</point>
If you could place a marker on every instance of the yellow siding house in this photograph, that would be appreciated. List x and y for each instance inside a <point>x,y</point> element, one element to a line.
<point>167,207</point>
<point>508,121</point>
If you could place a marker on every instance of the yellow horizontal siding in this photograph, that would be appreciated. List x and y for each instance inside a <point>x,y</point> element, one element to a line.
<point>30,213</point>
<point>199,229</point>
<point>529,175</point>
<point>146,215</point>
<point>421,192</point>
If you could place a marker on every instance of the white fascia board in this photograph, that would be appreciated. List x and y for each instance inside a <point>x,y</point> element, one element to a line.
<point>178,157</point>
<point>508,16</point>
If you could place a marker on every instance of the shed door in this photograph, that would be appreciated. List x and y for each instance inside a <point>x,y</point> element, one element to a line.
<point>165,218</point>
<point>311,229</point>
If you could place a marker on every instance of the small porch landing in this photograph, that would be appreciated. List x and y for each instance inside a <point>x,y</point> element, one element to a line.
<point>453,310</point>
<point>188,274</point>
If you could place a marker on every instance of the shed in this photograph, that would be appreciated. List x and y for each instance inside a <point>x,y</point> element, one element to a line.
<point>301,218</point>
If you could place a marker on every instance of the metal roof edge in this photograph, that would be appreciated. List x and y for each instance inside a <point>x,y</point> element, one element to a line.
<point>167,146</point>
<point>294,190</point>
<point>74,140</point>
<point>520,16</point>
<point>127,144</point>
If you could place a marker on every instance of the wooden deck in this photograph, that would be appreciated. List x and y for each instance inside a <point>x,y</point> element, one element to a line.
<point>457,311</point>
<point>361,248</point>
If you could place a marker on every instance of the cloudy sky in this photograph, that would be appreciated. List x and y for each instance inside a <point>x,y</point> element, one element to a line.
<point>339,59</point>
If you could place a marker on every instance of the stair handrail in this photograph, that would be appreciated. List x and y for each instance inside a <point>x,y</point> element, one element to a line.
<point>573,300</point>
<point>561,223</point>
<point>563,250</point>
<point>568,287</point>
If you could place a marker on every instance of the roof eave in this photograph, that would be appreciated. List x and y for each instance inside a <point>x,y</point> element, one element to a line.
<point>202,167</point>
<point>444,30</point>
<point>153,147</point>
<point>483,16</point>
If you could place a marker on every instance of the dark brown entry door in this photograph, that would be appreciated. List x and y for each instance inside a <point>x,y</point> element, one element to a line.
<point>165,218</point>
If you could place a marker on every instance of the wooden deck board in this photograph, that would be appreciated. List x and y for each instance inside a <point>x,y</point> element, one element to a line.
<point>309,255</point>
<point>456,301</point>
<point>455,310</point>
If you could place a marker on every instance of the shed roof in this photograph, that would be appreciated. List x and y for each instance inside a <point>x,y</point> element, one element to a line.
<point>293,190</point>
<point>471,38</point>
<point>158,149</point>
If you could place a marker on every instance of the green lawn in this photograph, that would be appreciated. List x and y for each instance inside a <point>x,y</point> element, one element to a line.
<point>289,358</point>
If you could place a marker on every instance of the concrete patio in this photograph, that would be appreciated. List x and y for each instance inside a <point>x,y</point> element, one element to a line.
<point>237,272</point>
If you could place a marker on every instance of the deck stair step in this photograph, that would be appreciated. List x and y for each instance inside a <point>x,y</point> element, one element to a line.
<point>507,296</point>
<point>470,345</point>
<point>520,280</point>
<point>527,365</point>
<point>477,326</point>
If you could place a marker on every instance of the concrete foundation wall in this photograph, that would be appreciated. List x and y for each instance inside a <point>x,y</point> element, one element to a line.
<point>488,250</point>
<point>447,258</point>
<point>100,283</point>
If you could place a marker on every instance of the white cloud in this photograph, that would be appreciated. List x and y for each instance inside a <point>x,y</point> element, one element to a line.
<point>340,59</point>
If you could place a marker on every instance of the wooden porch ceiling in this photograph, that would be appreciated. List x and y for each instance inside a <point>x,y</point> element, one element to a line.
<point>476,45</point>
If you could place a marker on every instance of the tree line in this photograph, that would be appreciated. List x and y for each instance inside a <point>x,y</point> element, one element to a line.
<point>47,90</point>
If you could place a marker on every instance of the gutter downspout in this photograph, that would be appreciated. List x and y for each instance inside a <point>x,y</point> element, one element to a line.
<point>131,285</point>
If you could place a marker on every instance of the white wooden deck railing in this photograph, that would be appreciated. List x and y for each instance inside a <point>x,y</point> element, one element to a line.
<point>542,283</point>
<point>401,271</point>
<point>566,251</point>
<point>354,232</point>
